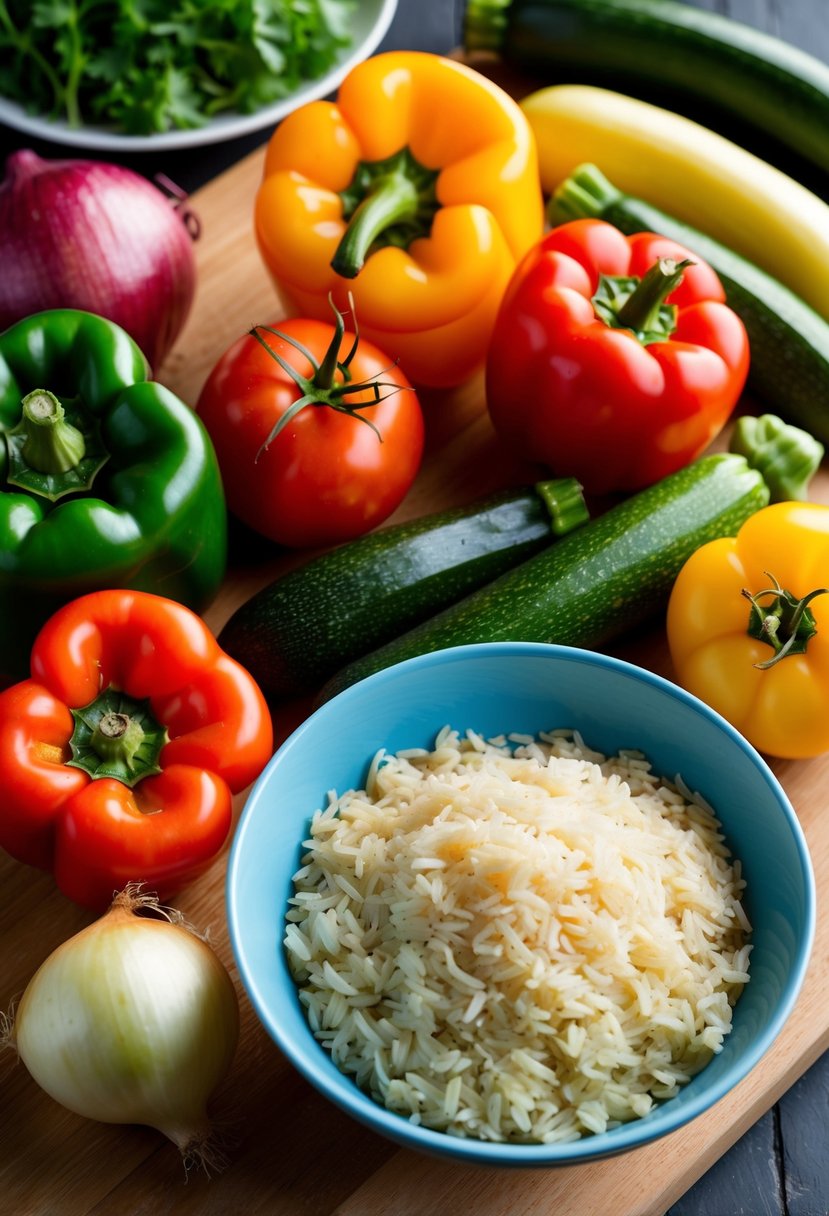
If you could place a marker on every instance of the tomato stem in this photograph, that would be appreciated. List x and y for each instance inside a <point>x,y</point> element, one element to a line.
<point>323,388</point>
<point>327,371</point>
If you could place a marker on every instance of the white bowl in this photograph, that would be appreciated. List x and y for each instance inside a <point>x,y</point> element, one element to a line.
<point>370,22</point>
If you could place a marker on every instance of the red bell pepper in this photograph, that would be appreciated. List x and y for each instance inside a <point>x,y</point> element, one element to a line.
<point>121,753</point>
<point>614,359</point>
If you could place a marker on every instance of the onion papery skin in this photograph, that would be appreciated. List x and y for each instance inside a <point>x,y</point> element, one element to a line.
<point>98,237</point>
<point>132,1020</point>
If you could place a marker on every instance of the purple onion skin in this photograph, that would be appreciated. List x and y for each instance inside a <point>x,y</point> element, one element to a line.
<point>95,236</point>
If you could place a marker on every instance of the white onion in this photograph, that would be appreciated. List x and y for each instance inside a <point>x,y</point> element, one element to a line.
<point>132,1020</point>
<point>95,236</point>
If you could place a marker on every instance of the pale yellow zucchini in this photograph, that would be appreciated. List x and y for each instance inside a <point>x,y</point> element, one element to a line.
<point>693,174</point>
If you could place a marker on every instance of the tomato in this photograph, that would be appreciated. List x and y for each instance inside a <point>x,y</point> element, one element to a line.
<point>342,462</point>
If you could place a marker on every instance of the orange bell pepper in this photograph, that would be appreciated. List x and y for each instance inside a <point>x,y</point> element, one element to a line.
<point>417,192</point>
<point>748,628</point>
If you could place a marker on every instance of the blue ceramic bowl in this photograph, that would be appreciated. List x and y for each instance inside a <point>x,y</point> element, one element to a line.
<point>523,687</point>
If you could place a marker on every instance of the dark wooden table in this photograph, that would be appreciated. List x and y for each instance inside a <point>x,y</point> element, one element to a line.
<point>781,1166</point>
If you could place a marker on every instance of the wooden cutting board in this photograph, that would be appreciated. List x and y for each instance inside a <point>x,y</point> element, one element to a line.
<point>291,1152</point>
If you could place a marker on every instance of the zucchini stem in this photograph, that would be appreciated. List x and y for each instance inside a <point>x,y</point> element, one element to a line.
<point>785,455</point>
<point>585,194</point>
<point>485,24</point>
<point>565,504</point>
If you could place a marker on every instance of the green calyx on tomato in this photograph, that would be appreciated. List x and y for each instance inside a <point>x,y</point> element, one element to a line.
<point>638,304</point>
<point>117,736</point>
<point>332,382</point>
<point>387,202</point>
<point>51,452</point>
<point>785,623</point>
<point>322,476</point>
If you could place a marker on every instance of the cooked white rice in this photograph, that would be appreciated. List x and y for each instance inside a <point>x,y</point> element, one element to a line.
<point>524,943</point>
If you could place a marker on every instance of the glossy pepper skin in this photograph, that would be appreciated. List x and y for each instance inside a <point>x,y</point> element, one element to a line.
<point>783,709</point>
<point>469,205</point>
<point>160,815</point>
<point>599,399</point>
<point>151,517</point>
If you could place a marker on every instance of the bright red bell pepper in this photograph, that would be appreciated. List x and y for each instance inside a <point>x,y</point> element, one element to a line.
<point>614,359</point>
<point>120,755</point>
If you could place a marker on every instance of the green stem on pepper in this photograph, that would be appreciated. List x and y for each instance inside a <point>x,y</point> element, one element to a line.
<point>117,736</point>
<point>785,624</point>
<point>640,311</point>
<point>628,302</point>
<point>53,451</point>
<point>51,445</point>
<point>388,202</point>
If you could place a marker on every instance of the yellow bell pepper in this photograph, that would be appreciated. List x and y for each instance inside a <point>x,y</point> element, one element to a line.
<point>421,186</point>
<point>748,628</point>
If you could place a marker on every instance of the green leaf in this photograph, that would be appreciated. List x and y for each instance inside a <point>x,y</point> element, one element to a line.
<point>109,65</point>
<point>52,14</point>
<point>149,65</point>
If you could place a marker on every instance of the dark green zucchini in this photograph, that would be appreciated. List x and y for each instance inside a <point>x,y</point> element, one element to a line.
<point>293,634</point>
<point>614,572</point>
<point>727,75</point>
<point>789,370</point>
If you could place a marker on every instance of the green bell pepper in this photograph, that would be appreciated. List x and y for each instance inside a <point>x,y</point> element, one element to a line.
<point>106,478</point>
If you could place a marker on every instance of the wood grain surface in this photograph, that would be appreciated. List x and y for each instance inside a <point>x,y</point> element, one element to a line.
<point>292,1153</point>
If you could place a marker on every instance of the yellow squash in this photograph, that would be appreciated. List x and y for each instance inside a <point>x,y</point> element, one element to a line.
<point>693,174</point>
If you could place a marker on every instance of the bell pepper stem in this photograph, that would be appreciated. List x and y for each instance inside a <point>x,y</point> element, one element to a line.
<point>117,737</point>
<point>786,623</point>
<point>641,309</point>
<point>52,445</point>
<point>394,198</point>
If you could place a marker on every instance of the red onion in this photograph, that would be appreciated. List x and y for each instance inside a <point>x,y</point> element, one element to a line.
<point>81,234</point>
